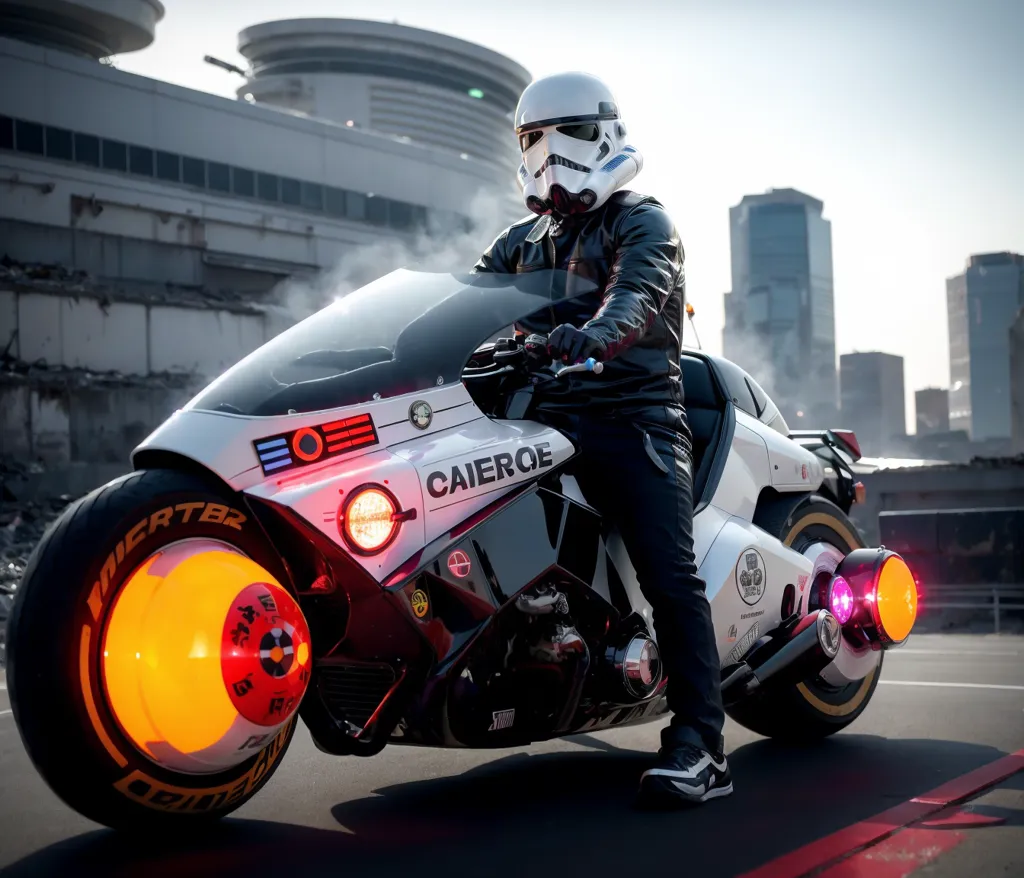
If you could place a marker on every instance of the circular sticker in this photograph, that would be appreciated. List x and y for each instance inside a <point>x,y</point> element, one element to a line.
<point>751,578</point>
<point>420,414</point>
<point>419,602</point>
<point>459,564</point>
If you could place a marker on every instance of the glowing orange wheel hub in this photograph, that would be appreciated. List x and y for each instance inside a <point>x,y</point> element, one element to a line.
<point>205,657</point>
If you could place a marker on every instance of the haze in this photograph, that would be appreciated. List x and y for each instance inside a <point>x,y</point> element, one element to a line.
<point>905,118</point>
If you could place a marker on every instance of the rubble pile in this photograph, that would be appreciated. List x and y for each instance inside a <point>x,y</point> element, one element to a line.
<point>22,525</point>
<point>1016,462</point>
<point>22,277</point>
<point>42,375</point>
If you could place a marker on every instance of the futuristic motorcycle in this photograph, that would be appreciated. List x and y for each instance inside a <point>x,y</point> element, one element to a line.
<point>363,524</point>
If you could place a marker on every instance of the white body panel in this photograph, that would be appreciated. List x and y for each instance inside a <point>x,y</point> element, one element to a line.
<point>463,461</point>
<point>223,442</point>
<point>761,457</point>
<point>747,471</point>
<point>463,469</point>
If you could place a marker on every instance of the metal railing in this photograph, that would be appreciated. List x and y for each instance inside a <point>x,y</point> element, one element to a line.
<point>996,597</point>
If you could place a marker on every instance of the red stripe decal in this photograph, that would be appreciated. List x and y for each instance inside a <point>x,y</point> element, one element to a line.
<point>833,848</point>
<point>344,434</point>
<point>347,422</point>
<point>351,443</point>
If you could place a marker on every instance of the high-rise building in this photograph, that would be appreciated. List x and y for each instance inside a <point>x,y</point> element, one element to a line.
<point>779,316</point>
<point>873,403</point>
<point>1017,383</point>
<point>982,304</point>
<point>932,410</point>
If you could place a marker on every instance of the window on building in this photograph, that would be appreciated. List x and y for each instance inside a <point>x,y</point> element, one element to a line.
<point>59,144</point>
<point>115,155</point>
<point>335,201</point>
<point>218,176</point>
<point>266,187</point>
<point>243,182</point>
<point>140,161</point>
<point>312,196</point>
<point>377,210</point>
<point>87,150</point>
<point>291,191</point>
<point>168,166</point>
<point>193,172</point>
<point>401,215</point>
<point>28,137</point>
<point>355,205</point>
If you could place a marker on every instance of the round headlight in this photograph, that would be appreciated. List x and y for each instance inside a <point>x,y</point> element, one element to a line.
<point>369,520</point>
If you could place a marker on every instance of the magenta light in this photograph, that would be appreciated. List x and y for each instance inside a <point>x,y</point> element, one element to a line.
<point>841,600</point>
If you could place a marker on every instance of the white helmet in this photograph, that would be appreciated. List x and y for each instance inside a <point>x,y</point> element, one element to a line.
<point>574,144</point>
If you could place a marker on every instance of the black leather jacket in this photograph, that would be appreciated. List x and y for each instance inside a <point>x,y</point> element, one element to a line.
<point>630,248</point>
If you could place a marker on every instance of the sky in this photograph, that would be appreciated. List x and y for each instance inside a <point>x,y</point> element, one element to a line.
<point>905,117</point>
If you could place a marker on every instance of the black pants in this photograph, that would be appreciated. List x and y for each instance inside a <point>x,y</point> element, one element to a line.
<point>652,508</point>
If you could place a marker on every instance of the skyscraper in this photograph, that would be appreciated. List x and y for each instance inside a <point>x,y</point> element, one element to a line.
<point>1017,383</point>
<point>873,403</point>
<point>779,316</point>
<point>931,406</point>
<point>982,304</point>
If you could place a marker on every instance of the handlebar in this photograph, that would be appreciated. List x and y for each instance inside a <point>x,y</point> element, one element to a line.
<point>510,354</point>
<point>588,365</point>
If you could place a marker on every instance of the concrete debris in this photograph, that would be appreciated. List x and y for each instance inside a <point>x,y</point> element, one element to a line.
<point>42,375</point>
<point>58,280</point>
<point>997,463</point>
<point>22,526</point>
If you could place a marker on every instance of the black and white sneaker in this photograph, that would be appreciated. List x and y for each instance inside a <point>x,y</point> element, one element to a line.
<point>685,775</point>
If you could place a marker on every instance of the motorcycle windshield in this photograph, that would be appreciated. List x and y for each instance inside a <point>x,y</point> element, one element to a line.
<point>404,333</point>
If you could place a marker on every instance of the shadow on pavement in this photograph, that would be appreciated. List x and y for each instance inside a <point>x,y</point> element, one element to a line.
<point>567,813</point>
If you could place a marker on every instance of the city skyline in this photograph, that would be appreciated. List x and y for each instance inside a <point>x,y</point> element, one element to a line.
<point>780,312</point>
<point>983,302</point>
<point>864,107</point>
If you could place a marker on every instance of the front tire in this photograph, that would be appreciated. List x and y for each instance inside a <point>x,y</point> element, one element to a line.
<point>812,709</point>
<point>55,641</point>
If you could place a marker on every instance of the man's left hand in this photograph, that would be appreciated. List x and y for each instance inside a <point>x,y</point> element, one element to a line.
<point>572,345</point>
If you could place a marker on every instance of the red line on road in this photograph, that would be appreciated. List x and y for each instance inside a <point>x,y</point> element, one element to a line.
<point>898,856</point>
<point>853,839</point>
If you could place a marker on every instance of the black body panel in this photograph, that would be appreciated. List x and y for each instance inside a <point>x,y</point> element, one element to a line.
<point>449,666</point>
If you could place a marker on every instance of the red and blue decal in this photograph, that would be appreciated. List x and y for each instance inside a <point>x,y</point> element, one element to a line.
<point>308,445</point>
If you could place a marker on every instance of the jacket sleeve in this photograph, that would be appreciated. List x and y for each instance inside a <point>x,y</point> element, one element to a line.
<point>645,270</point>
<point>495,257</point>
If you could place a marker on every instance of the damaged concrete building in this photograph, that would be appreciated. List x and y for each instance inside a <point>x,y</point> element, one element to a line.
<point>146,229</point>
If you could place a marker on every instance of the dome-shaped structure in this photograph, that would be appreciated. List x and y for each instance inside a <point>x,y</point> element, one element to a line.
<point>430,88</point>
<point>94,28</point>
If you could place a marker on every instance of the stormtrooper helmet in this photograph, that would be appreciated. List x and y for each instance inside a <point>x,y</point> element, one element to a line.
<point>574,146</point>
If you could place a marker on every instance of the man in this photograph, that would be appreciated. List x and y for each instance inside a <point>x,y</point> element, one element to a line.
<point>635,465</point>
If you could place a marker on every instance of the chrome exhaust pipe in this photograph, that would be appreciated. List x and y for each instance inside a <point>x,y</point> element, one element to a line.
<point>789,657</point>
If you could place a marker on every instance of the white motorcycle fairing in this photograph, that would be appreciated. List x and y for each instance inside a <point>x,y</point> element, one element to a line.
<point>462,461</point>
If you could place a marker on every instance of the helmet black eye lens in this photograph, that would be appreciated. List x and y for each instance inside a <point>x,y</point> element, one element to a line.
<point>529,139</point>
<point>588,131</point>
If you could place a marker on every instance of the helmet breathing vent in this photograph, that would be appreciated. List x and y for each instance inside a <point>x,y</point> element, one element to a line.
<point>564,162</point>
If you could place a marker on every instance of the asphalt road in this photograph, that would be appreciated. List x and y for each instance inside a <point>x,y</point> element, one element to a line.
<point>565,807</point>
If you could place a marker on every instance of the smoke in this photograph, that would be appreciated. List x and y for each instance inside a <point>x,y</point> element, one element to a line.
<point>752,351</point>
<point>437,249</point>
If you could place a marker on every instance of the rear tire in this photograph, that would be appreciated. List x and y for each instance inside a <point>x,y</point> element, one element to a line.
<point>813,709</point>
<point>54,642</point>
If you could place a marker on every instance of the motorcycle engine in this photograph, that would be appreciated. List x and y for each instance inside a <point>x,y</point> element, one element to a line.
<point>525,685</point>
